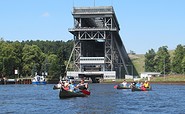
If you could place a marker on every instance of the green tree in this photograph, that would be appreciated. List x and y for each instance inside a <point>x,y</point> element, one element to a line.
<point>18,55</point>
<point>33,59</point>
<point>150,61</point>
<point>63,54</point>
<point>54,67</point>
<point>162,60</point>
<point>34,56</point>
<point>177,60</point>
<point>8,58</point>
<point>183,65</point>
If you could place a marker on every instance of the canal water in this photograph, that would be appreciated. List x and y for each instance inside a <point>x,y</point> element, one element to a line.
<point>104,99</point>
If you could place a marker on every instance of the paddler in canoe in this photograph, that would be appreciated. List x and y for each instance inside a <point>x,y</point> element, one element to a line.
<point>77,88</point>
<point>75,91</point>
<point>82,85</point>
<point>123,85</point>
<point>141,86</point>
<point>146,84</point>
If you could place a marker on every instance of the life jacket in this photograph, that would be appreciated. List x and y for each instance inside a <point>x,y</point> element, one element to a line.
<point>146,85</point>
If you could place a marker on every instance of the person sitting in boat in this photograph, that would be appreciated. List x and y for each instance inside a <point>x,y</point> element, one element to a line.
<point>66,85</point>
<point>59,85</point>
<point>82,85</point>
<point>146,84</point>
<point>142,86</point>
<point>72,87</point>
<point>133,84</point>
<point>138,85</point>
<point>124,83</point>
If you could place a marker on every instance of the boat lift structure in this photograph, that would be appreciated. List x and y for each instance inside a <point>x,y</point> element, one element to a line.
<point>98,49</point>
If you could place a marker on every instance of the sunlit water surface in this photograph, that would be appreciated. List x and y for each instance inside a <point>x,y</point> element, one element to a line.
<point>104,99</point>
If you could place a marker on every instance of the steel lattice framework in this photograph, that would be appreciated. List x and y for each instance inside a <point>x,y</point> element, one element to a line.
<point>94,27</point>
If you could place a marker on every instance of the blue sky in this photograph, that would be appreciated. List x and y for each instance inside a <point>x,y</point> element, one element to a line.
<point>144,24</point>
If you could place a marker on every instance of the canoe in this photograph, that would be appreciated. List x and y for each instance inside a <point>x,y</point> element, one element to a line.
<point>121,87</point>
<point>68,94</point>
<point>141,89</point>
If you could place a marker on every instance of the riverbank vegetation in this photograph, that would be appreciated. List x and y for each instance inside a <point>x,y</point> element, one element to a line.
<point>168,79</point>
<point>50,58</point>
<point>167,62</point>
<point>28,57</point>
<point>164,62</point>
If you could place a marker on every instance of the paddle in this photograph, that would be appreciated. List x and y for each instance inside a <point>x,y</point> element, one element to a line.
<point>143,88</point>
<point>115,87</point>
<point>86,92</point>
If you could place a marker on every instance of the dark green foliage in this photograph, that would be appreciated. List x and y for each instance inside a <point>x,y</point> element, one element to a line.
<point>38,56</point>
<point>162,60</point>
<point>150,61</point>
<point>8,58</point>
<point>177,61</point>
<point>51,57</point>
<point>32,58</point>
<point>183,65</point>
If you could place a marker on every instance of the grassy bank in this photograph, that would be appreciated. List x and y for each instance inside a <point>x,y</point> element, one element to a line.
<point>169,79</point>
<point>138,61</point>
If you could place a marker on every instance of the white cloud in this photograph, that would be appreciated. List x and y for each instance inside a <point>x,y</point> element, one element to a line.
<point>45,14</point>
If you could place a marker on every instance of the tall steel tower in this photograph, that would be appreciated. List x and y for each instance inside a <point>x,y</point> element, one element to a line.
<point>98,49</point>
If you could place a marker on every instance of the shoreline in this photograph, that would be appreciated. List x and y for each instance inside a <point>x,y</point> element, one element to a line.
<point>169,82</point>
<point>169,79</point>
<point>151,82</point>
